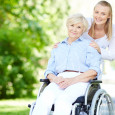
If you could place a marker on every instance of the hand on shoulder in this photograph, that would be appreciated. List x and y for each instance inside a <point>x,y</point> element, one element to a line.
<point>56,45</point>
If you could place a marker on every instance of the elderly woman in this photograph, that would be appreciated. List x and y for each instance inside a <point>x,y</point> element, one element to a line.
<point>72,64</point>
<point>101,31</point>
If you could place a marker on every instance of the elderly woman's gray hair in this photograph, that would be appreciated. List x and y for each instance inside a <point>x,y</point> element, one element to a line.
<point>77,18</point>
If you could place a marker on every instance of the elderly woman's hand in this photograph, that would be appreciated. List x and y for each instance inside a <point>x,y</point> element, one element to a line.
<point>67,82</point>
<point>96,46</point>
<point>58,79</point>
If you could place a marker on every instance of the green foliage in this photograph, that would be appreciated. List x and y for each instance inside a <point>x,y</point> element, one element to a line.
<point>17,68</point>
<point>26,27</point>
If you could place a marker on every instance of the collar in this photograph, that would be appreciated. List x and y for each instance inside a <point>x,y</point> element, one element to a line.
<point>79,39</point>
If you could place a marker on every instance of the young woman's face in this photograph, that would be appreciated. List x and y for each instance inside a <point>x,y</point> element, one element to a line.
<point>101,14</point>
<point>75,30</point>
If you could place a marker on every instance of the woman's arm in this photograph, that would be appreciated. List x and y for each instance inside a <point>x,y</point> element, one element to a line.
<point>93,60</point>
<point>109,54</point>
<point>51,65</point>
<point>83,77</point>
<point>50,72</point>
<point>55,79</point>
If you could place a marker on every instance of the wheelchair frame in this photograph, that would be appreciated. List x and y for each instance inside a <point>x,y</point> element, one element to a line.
<point>91,105</point>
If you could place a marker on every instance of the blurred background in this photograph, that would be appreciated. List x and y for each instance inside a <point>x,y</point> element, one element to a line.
<point>28,31</point>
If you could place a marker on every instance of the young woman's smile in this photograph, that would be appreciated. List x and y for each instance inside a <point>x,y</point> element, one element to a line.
<point>101,14</point>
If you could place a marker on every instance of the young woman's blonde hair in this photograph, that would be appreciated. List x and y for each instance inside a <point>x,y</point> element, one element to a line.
<point>77,18</point>
<point>108,25</point>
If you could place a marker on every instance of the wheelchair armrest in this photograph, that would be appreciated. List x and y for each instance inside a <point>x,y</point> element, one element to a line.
<point>95,81</point>
<point>91,81</point>
<point>45,80</point>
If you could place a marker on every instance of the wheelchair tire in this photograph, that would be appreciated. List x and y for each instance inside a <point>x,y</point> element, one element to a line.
<point>101,104</point>
<point>32,108</point>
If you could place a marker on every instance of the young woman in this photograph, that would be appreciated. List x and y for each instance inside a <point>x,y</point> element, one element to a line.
<point>72,64</point>
<point>101,31</point>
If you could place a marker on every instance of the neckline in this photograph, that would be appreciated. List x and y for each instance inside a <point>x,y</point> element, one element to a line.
<point>97,38</point>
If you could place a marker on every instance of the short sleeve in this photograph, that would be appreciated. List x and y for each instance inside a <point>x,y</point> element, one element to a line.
<point>51,65</point>
<point>93,60</point>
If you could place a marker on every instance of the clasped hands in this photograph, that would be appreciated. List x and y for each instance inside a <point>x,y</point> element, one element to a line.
<point>63,82</point>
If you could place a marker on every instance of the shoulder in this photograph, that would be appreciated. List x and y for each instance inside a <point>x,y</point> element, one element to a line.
<point>113,32</point>
<point>60,45</point>
<point>93,51</point>
<point>87,42</point>
<point>113,25</point>
<point>84,38</point>
<point>63,42</point>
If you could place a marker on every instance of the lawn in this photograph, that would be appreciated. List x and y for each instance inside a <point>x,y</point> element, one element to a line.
<point>15,106</point>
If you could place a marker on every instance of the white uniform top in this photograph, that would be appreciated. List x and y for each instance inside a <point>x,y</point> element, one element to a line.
<point>107,46</point>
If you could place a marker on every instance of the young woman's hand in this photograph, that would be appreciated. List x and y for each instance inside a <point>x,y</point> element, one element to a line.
<point>96,46</point>
<point>56,45</point>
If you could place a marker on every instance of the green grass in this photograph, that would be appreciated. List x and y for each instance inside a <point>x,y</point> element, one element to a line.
<point>11,110</point>
<point>15,106</point>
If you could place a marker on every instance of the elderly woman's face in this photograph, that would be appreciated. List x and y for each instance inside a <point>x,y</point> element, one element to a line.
<point>101,14</point>
<point>75,30</point>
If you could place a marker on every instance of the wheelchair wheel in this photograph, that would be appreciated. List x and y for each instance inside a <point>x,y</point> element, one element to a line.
<point>101,104</point>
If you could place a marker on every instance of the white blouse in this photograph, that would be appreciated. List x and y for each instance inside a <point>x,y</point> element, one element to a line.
<point>107,46</point>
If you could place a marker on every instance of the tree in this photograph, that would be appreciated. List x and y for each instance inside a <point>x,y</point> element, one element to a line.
<point>26,27</point>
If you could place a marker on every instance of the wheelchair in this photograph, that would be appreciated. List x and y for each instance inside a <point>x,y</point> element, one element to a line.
<point>95,102</point>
